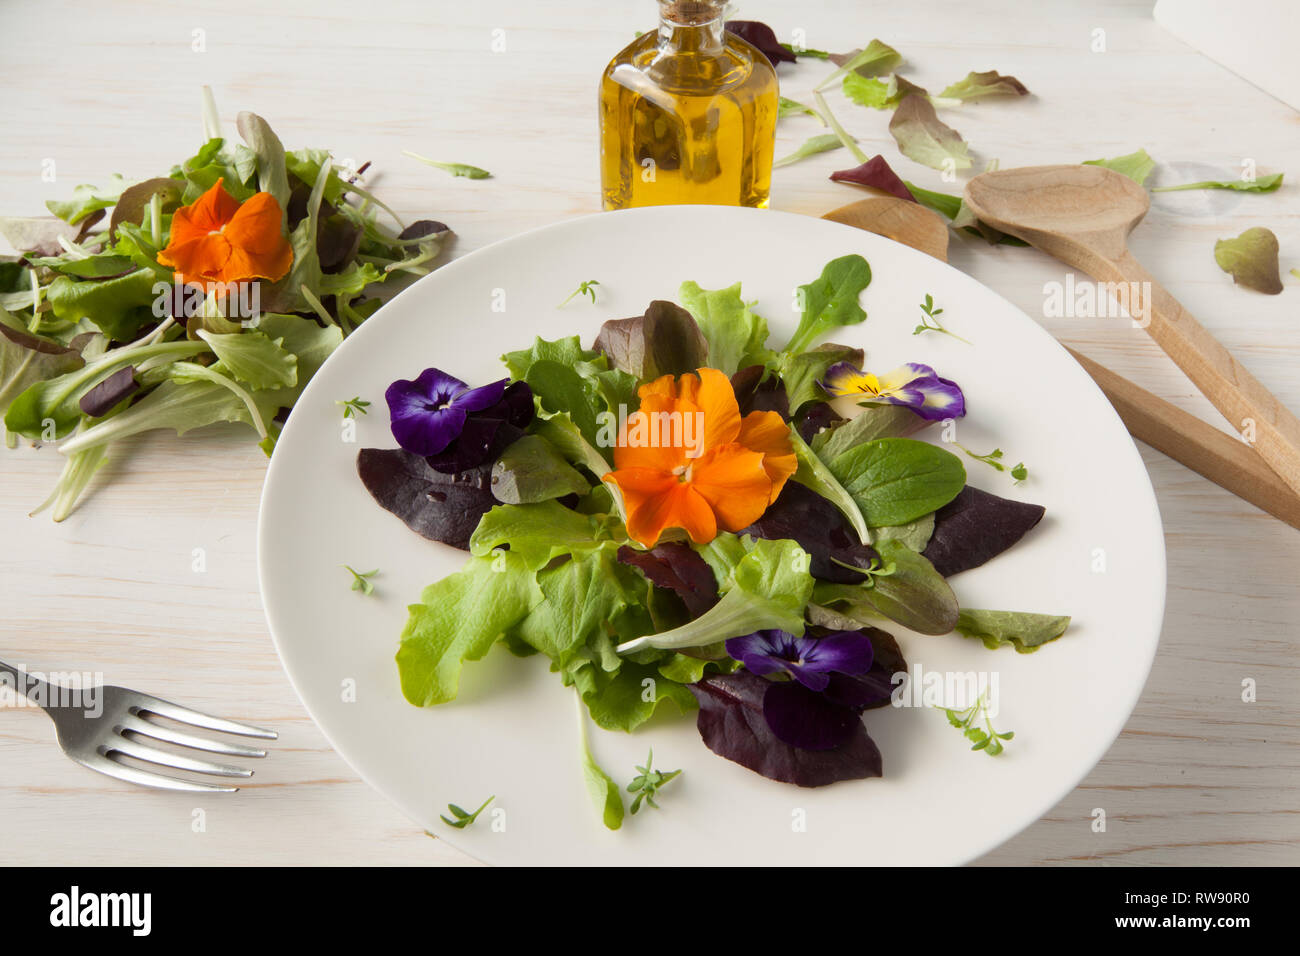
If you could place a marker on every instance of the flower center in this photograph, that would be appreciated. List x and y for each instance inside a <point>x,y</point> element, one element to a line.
<point>683,473</point>
<point>869,384</point>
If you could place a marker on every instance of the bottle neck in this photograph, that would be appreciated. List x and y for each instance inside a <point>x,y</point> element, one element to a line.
<point>691,26</point>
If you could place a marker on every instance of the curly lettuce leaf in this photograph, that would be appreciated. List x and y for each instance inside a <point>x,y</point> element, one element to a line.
<point>977,86</point>
<point>737,335</point>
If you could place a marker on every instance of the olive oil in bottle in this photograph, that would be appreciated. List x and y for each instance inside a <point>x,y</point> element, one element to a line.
<point>687,114</point>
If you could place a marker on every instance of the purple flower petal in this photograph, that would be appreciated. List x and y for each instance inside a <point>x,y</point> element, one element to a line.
<point>806,719</point>
<point>422,420</point>
<point>809,660</point>
<point>760,652</point>
<point>845,652</point>
<point>485,396</point>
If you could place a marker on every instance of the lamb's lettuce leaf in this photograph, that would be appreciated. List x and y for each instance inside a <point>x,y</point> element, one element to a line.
<point>1023,630</point>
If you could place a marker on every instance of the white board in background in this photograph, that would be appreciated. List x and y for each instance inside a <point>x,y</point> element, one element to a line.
<point>1257,39</point>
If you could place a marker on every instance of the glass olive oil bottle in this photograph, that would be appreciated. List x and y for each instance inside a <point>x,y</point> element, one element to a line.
<point>687,114</point>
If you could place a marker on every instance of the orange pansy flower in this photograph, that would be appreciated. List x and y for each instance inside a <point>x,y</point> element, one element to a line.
<point>688,460</point>
<point>218,239</point>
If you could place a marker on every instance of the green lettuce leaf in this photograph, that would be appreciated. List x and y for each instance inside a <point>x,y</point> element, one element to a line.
<point>253,358</point>
<point>737,335</point>
<point>1136,166</point>
<point>26,359</point>
<point>1024,631</point>
<point>1264,184</point>
<point>86,200</point>
<point>801,373</point>
<point>981,85</point>
<point>117,307</point>
<point>604,792</point>
<point>766,588</point>
<point>874,421</point>
<point>923,137</point>
<point>533,470</point>
<point>897,480</point>
<point>1251,260</point>
<point>822,143</point>
<point>537,533</point>
<point>458,619</point>
<point>814,474</point>
<point>871,91</point>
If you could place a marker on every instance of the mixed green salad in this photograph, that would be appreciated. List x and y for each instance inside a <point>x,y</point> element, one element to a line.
<point>211,293</point>
<point>685,512</point>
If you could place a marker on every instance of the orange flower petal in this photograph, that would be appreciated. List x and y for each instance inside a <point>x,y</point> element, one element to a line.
<point>208,213</point>
<point>657,501</point>
<point>733,481</point>
<point>711,391</point>
<point>664,386</point>
<point>202,259</point>
<point>651,441</point>
<point>259,248</point>
<point>768,433</point>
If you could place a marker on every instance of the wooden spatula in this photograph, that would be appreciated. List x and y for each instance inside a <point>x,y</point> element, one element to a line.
<point>1226,461</point>
<point>1082,215</point>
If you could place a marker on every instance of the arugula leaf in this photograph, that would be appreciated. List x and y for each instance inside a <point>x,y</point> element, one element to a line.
<point>1024,631</point>
<point>459,618</point>
<point>1264,184</point>
<point>831,300</point>
<point>1136,166</point>
<point>767,588</point>
<point>897,480</point>
<point>736,335</point>
<point>1251,260</point>
<point>822,143</point>
<point>456,169</point>
<point>980,85</point>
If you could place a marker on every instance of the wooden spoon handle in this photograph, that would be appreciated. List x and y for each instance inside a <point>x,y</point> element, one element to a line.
<point>1243,400</point>
<point>1226,461</point>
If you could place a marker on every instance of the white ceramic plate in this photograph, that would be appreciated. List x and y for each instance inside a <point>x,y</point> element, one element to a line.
<point>1098,555</point>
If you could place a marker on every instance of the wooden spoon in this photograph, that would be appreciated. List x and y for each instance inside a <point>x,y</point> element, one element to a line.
<point>1082,215</point>
<point>898,219</point>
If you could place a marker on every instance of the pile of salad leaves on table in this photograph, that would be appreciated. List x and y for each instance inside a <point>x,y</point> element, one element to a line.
<point>753,582</point>
<point>100,340</point>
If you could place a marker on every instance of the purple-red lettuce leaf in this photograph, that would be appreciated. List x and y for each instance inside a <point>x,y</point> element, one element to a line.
<point>800,514</point>
<point>875,173</point>
<point>100,400</point>
<point>1251,260</point>
<point>754,393</point>
<point>762,37</point>
<point>435,505</point>
<point>678,568</point>
<point>980,85</point>
<point>975,527</point>
<point>732,724</point>
<point>665,341</point>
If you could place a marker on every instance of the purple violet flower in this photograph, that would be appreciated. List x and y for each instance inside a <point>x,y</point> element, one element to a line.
<point>429,412</point>
<point>809,660</point>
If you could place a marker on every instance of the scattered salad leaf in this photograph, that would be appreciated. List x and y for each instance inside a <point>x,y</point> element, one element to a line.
<point>463,818</point>
<point>1262,184</point>
<point>981,85</point>
<point>975,527</point>
<point>788,107</point>
<point>923,137</point>
<point>1251,260</point>
<point>601,787</point>
<point>994,460</point>
<point>361,580</point>
<point>1024,631</point>
<point>761,36</point>
<point>811,147</point>
<point>1136,166</point>
<point>877,59</point>
<point>648,782</point>
<point>456,169</point>
<point>870,91</point>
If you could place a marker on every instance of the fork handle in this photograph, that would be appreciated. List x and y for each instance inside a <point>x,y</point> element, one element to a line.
<point>33,688</point>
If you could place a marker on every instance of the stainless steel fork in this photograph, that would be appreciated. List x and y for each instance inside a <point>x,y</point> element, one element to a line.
<point>98,726</point>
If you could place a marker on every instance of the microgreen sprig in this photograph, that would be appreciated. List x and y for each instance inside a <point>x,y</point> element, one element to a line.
<point>648,783</point>
<point>983,738</point>
<point>932,315</point>
<point>994,460</point>
<point>464,819</point>
<point>353,407</point>
<point>361,580</point>
<point>587,288</point>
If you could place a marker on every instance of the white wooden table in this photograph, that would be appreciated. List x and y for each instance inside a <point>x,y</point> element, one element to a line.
<point>1198,776</point>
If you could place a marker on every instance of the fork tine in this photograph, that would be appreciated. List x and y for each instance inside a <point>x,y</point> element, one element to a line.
<point>147,728</point>
<point>143,778</point>
<point>165,758</point>
<point>184,715</point>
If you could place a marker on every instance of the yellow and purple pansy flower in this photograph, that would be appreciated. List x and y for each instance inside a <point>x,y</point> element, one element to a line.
<point>913,386</point>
